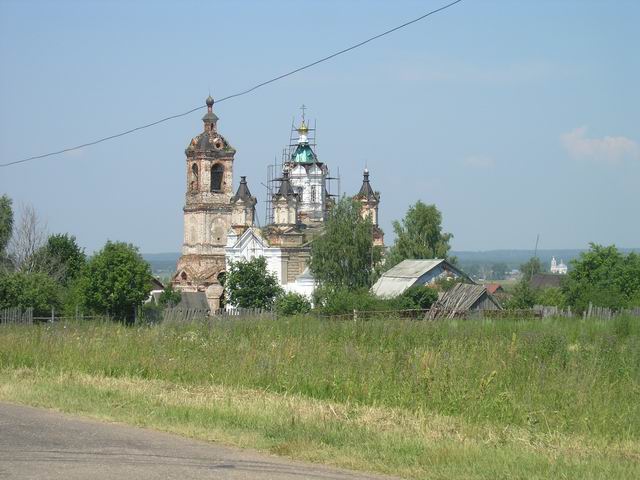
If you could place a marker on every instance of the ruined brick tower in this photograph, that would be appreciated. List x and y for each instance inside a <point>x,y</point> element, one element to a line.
<point>207,212</point>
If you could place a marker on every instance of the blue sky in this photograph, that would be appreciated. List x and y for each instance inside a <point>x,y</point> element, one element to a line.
<point>515,118</point>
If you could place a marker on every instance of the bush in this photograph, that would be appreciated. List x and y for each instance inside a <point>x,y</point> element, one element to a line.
<point>149,313</point>
<point>417,297</point>
<point>551,296</point>
<point>292,304</point>
<point>25,290</point>
<point>342,301</point>
<point>169,297</point>
<point>522,298</point>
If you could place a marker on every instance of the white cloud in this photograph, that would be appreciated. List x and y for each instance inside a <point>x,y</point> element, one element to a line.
<point>479,161</point>
<point>606,149</point>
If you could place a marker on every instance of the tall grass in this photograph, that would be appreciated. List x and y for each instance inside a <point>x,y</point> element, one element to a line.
<point>562,376</point>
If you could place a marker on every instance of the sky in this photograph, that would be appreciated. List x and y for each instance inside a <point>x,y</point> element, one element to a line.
<point>514,118</point>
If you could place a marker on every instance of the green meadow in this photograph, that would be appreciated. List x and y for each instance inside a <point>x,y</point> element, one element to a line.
<point>553,398</point>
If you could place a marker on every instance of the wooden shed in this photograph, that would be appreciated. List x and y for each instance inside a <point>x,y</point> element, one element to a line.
<point>461,299</point>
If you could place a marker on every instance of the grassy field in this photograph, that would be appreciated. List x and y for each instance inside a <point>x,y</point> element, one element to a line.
<point>555,398</point>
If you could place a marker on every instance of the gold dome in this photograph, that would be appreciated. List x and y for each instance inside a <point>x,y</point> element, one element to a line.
<point>303,128</point>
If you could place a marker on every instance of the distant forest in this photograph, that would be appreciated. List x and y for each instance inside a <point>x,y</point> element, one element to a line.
<point>164,264</point>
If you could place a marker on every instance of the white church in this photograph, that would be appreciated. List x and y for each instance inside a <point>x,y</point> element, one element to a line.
<point>558,268</point>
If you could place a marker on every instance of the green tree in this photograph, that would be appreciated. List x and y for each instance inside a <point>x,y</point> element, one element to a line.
<point>115,281</point>
<point>24,290</point>
<point>530,268</point>
<point>550,296</point>
<point>61,258</point>
<point>6,227</point>
<point>250,285</point>
<point>344,255</point>
<point>169,297</point>
<point>419,235</point>
<point>523,296</point>
<point>292,304</point>
<point>605,277</point>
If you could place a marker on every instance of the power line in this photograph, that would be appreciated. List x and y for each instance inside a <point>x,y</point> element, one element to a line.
<point>244,92</point>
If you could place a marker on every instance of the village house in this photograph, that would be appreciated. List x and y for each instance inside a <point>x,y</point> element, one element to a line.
<point>463,299</point>
<point>415,272</point>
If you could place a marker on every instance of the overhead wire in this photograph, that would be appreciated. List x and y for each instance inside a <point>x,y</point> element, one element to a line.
<point>244,92</point>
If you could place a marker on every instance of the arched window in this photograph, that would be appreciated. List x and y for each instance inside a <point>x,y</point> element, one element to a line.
<point>193,184</point>
<point>217,172</point>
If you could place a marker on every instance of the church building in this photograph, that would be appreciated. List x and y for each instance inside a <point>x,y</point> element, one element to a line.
<point>220,227</point>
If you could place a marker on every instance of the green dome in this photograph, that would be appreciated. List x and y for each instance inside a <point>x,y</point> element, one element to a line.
<point>304,154</point>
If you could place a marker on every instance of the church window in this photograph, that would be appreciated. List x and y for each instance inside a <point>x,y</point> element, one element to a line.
<point>194,177</point>
<point>183,276</point>
<point>217,172</point>
<point>314,193</point>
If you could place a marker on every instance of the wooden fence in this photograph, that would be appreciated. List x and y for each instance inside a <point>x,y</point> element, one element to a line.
<point>16,315</point>
<point>190,315</point>
<point>591,312</point>
<point>431,314</point>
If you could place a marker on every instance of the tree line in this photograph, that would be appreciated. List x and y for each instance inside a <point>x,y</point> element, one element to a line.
<point>52,271</point>
<point>602,276</point>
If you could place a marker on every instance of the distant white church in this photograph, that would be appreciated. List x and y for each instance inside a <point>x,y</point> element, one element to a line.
<point>558,268</point>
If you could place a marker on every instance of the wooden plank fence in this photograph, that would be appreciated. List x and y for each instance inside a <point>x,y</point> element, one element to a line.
<point>16,315</point>
<point>431,314</point>
<point>591,312</point>
<point>190,315</point>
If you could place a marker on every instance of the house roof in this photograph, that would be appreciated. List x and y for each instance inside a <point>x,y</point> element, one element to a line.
<point>156,284</point>
<point>493,288</point>
<point>193,301</point>
<point>397,279</point>
<point>461,297</point>
<point>545,280</point>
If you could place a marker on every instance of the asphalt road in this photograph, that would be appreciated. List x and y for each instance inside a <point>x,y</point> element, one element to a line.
<point>41,444</point>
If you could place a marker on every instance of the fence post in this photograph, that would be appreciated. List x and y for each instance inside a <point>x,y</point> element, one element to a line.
<point>53,314</point>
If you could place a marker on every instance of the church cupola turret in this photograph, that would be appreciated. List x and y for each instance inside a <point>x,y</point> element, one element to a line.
<point>244,206</point>
<point>285,203</point>
<point>303,154</point>
<point>369,201</point>
<point>210,119</point>
<point>307,175</point>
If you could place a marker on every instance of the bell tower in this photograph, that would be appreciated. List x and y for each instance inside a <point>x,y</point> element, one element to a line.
<point>207,211</point>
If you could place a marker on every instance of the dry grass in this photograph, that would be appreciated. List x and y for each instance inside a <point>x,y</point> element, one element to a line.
<point>381,439</point>
<point>553,398</point>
